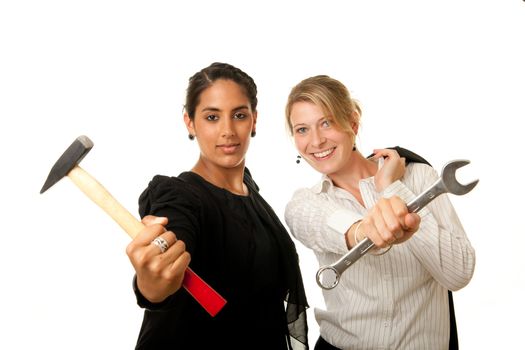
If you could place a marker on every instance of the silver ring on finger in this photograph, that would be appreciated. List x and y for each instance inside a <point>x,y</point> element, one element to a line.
<point>161,243</point>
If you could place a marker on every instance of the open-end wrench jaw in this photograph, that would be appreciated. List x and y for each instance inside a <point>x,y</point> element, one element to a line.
<point>448,175</point>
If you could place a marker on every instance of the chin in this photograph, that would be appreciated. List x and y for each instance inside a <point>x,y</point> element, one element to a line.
<point>230,164</point>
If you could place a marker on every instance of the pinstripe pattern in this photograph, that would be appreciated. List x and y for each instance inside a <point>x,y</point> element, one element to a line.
<point>397,300</point>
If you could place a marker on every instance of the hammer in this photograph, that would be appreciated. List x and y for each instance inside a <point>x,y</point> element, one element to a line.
<point>67,165</point>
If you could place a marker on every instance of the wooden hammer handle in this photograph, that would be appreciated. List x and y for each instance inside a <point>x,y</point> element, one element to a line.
<point>98,194</point>
<point>205,295</point>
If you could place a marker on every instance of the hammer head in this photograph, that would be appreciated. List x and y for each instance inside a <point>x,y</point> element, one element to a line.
<point>448,175</point>
<point>69,159</point>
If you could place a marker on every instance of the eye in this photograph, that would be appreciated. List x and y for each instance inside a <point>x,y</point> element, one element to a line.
<point>239,116</point>
<point>325,123</point>
<point>300,130</point>
<point>212,117</point>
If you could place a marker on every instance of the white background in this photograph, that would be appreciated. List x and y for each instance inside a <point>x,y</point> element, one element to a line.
<point>443,78</point>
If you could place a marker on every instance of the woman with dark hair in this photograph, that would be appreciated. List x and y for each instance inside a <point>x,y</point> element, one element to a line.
<point>215,214</point>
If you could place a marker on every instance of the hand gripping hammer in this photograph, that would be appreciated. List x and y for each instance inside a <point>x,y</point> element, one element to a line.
<point>446,183</point>
<point>67,165</point>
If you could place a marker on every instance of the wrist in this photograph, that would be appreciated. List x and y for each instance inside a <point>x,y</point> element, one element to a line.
<point>353,236</point>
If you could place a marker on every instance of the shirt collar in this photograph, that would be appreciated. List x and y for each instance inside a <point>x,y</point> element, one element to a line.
<point>326,184</point>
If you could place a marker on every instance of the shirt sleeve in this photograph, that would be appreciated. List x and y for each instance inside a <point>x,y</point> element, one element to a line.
<point>318,223</point>
<point>172,198</point>
<point>441,243</point>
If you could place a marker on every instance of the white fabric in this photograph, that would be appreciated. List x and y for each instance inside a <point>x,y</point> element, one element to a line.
<point>397,300</point>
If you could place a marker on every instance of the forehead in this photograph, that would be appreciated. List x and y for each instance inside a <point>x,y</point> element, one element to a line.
<point>223,94</point>
<point>305,112</point>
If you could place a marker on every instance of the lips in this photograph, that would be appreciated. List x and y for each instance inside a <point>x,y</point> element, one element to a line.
<point>324,154</point>
<point>229,148</point>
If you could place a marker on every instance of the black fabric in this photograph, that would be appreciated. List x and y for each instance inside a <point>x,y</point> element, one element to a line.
<point>409,158</point>
<point>239,247</point>
<point>322,344</point>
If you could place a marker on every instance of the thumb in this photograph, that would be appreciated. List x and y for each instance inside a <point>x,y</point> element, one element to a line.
<point>150,220</point>
<point>412,221</point>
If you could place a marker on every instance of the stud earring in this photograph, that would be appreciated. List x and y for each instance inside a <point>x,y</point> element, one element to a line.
<point>298,159</point>
<point>191,137</point>
<point>253,133</point>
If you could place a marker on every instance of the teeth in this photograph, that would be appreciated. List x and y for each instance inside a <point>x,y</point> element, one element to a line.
<point>323,154</point>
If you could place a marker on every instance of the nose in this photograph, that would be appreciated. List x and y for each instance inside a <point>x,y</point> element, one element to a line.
<point>227,127</point>
<point>317,138</point>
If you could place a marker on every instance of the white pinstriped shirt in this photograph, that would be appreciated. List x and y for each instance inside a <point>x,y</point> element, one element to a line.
<point>397,300</point>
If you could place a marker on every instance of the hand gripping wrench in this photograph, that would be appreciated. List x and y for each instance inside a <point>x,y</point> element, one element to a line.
<point>328,276</point>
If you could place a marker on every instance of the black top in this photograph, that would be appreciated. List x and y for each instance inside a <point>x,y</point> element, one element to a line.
<point>241,249</point>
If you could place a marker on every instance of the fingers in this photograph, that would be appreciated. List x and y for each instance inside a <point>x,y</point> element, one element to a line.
<point>391,214</point>
<point>155,226</point>
<point>180,265</point>
<point>153,249</point>
<point>393,168</point>
<point>389,222</point>
<point>167,264</point>
<point>148,234</point>
<point>385,153</point>
<point>141,250</point>
<point>160,269</point>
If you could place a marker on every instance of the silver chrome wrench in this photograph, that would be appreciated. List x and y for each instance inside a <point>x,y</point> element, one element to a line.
<point>446,183</point>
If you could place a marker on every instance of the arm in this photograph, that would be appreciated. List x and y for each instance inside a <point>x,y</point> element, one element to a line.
<point>323,225</point>
<point>165,208</point>
<point>319,223</point>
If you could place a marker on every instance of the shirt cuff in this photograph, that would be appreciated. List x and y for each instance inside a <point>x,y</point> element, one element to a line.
<point>145,303</point>
<point>341,220</point>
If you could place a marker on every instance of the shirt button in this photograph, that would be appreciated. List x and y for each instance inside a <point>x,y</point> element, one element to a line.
<point>387,324</point>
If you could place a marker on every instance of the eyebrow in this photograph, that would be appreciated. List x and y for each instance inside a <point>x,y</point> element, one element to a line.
<point>296,125</point>
<point>215,109</point>
<point>323,118</point>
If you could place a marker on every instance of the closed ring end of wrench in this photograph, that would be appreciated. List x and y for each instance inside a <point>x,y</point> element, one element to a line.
<point>320,280</point>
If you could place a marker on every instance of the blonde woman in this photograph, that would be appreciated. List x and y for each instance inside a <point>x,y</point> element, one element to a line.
<point>396,296</point>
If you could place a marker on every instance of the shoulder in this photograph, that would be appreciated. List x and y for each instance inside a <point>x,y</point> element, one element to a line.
<point>249,181</point>
<point>307,196</point>
<point>419,169</point>
<point>161,184</point>
<point>168,191</point>
<point>419,176</point>
<point>320,188</point>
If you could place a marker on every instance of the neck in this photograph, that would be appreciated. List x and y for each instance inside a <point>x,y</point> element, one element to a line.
<point>231,179</point>
<point>356,169</point>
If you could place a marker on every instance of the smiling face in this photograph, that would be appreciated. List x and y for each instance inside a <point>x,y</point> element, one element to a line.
<point>319,141</point>
<point>222,124</point>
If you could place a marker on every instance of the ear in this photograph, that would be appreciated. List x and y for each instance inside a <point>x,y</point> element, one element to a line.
<point>189,124</point>
<point>254,121</point>
<point>355,128</point>
<point>355,123</point>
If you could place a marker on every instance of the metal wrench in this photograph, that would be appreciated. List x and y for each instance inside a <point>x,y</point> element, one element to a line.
<point>446,183</point>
